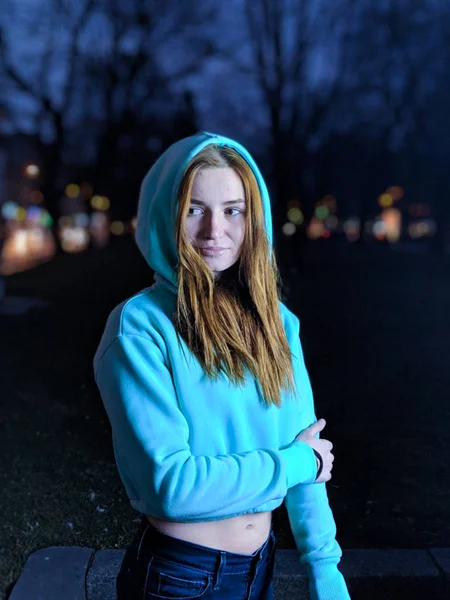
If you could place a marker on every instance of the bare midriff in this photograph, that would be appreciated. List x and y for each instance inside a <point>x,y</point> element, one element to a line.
<point>243,534</point>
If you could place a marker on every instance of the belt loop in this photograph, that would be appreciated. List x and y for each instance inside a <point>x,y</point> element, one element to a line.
<point>221,559</point>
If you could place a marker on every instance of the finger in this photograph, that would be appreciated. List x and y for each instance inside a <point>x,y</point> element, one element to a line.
<point>318,426</point>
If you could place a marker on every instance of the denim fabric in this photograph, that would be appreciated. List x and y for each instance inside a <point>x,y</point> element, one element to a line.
<point>160,566</point>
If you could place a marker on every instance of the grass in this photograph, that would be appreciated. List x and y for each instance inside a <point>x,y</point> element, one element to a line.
<point>375,340</point>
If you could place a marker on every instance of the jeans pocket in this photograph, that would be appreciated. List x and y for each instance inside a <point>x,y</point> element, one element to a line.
<point>174,581</point>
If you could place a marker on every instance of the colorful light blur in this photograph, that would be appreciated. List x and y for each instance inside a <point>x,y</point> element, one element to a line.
<point>392,220</point>
<point>422,228</point>
<point>21,214</point>
<point>100,203</point>
<point>34,214</point>
<point>321,212</point>
<point>289,229</point>
<point>396,192</point>
<point>352,228</point>
<point>74,239</point>
<point>99,229</point>
<point>385,200</point>
<point>32,171</point>
<point>331,222</point>
<point>379,229</point>
<point>36,197</point>
<point>72,190</point>
<point>25,247</point>
<point>9,211</point>
<point>315,229</point>
<point>46,219</point>
<point>295,216</point>
<point>330,202</point>
<point>117,228</point>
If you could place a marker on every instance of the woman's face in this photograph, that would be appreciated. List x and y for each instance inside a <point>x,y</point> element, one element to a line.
<point>215,222</point>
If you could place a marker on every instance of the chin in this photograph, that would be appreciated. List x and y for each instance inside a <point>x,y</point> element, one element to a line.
<point>219,269</point>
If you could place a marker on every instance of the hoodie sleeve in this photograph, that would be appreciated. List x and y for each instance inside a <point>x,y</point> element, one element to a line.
<point>309,512</point>
<point>151,445</point>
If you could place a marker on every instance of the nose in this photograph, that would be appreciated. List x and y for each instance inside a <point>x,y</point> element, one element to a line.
<point>213,226</point>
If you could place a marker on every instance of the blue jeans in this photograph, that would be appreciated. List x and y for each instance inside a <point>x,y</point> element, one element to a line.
<point>160,566</point>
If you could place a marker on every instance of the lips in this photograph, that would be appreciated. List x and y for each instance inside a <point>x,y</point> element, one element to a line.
<point>214,251</point>
<point>212,248</point>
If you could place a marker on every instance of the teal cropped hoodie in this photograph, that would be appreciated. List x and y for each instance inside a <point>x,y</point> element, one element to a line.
<point>192,449</point>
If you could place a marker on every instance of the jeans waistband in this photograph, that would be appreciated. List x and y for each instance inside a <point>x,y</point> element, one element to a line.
<point>197,556</point>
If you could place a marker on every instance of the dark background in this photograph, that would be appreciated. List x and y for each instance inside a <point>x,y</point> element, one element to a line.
<point>345,107</point>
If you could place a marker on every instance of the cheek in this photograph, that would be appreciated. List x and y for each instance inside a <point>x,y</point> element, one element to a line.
<point>189,229</point>
<point>240,235</point>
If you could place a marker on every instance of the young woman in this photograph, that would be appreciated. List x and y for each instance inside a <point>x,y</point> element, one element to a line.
<point>204,383</point>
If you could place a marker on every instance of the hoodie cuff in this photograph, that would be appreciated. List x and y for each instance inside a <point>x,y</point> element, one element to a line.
<point>301,464</point>
<point>326,582</point>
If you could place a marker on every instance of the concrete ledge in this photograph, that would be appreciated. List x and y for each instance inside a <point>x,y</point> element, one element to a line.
<point>389,574</point>
<point>63,573</point>
<point>101,579</point>
<point>54,573</point>
<point>441,557</point>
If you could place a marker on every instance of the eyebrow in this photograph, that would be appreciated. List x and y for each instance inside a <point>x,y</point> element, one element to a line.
<point>201,203</point>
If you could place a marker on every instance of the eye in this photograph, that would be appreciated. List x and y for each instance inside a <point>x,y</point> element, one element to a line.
<point>190,214</point>
<point>238,211</point>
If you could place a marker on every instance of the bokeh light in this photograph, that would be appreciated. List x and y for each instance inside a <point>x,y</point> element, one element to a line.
<point>289,229</point>
<point>385,200</point>
<point>419,229</point>
<point>321,212</point>
<point>330,202</point>
<point>100,203</point>
<point>379,229</point>
<point>36,197</point>
<point>9,210</point>
<point>74,239</point>
<point>46,219</point>
<point>396,192</point>
<point>295,216</point>
<point>331,222</point>
<point>32,171</point>
<point>392,221</point>
<point>34,214</point>
<point>352,228</point>
<point>81,220</point>
<point>21,214</point>
<point>72,190</point>
<point>315,229</point>
<point>117,228</point>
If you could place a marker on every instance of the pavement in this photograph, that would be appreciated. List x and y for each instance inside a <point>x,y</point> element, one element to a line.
<point>75,573</point>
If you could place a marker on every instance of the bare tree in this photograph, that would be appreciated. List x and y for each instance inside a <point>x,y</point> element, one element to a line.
<point>297,48</point>
<point>393,48</point>
<point>51,108</point>
<point>437,142</point>
<point>112,74</point>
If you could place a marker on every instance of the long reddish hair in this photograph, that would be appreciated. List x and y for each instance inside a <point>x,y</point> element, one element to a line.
<point>233,323</point>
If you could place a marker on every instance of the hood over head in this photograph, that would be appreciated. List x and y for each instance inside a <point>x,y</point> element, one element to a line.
<point>158,203</point>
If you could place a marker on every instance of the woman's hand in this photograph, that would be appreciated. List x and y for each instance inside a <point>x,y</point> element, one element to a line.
<point>323,447</point>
